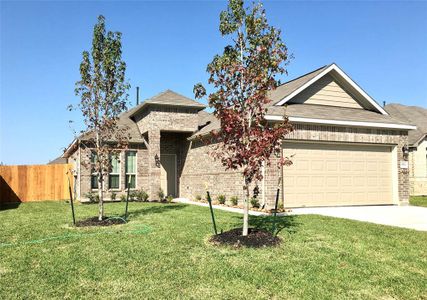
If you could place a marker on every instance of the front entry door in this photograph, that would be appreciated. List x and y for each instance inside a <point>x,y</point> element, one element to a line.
<point>168,174</point>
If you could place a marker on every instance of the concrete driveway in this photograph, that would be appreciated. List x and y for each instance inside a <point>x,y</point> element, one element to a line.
<point>412,217</point>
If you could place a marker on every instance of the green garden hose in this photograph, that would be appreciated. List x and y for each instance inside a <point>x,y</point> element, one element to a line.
<point>142,229</point>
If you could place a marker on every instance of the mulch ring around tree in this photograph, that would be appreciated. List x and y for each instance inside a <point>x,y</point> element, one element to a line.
<point>256,238</point>
<point>95,222</point>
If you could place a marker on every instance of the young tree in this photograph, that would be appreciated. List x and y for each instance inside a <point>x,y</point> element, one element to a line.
<point>242,77</point>
<point>103,93</point>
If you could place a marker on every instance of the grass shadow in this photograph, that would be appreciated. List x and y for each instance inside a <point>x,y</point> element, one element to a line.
<point>287,223</point>
<point>6,206</point>
<point>8,198</point>
<point>283,223</point>
<point>154,209</point>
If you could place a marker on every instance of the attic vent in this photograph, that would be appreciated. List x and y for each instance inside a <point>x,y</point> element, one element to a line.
<point>204,125</point>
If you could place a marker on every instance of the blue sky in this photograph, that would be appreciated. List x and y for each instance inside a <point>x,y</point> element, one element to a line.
<point>166,45</point>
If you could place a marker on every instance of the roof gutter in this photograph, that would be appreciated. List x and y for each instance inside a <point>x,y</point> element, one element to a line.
<point>70,149</point>
<point>146,104</point>
<point>416,144</point>
<point>342,123</point>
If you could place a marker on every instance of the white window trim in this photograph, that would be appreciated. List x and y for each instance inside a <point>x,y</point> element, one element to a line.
<point>136,169</point>
<point>338,122</point>
<point>343,75</point>
<point>91,173</point>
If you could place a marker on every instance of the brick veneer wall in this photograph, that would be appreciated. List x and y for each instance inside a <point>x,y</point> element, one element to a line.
<point>83,185</point>
<point>156,121</point>
<point>175,143</point>
<point>167,118</point>
<point>197,171</point>
<point>201,170</point>
<point>201,173</point>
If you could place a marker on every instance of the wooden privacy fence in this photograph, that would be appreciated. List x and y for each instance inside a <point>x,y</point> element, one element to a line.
<point>34,182</point>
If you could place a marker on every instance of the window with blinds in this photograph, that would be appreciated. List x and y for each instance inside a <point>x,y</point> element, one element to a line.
<point>130,169</point>
<point>114,176</point>
<point>93,173</point>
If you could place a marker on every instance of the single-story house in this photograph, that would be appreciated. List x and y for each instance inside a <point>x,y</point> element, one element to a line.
<point>417,142</point>
<point>347,150</point>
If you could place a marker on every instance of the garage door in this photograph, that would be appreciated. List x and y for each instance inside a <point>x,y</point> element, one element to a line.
<point>333,174</point>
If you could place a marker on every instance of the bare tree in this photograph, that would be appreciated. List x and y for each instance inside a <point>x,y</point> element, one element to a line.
<point>103,96</point>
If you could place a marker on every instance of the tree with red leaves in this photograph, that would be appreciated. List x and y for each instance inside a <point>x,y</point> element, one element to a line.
<point>242,78</point>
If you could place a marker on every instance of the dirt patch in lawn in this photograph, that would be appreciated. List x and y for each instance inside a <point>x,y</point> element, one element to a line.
<point>256,238</point>
<point>104,222</point>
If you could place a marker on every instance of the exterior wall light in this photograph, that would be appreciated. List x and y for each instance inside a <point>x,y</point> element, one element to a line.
<point>157,160</point>
<point>405,151</point>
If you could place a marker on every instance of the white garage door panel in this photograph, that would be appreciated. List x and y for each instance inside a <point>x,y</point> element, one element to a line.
<point>333,174</point>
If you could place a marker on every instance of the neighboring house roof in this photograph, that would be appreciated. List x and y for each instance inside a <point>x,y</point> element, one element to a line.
<point>413,114</point>
<point>58,160</point>
<point>292,88</point>
<point>168,98</point>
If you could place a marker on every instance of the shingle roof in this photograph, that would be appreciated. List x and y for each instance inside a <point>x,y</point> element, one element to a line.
<point>287,88</point>
<point>168,98</point>
<point>333,113</point>
<point>124,121</point>
<point>310,110</point>
<point>278,94</point>
<point>412,114</point>
<point>314,112</point>
<point>207,123</point>
<point>58,160</point>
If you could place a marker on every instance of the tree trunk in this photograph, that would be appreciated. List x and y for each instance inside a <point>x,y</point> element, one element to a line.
<point>246,212</point>
<point>101,196</point>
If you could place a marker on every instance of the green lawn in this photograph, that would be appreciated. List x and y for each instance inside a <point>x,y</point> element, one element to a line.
<point>162,253</point>
<point>418,200</point>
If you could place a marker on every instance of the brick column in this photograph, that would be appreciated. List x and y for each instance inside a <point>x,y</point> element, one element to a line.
<point>271,178</point>
<point>153,169</point>
<point>403,174</point>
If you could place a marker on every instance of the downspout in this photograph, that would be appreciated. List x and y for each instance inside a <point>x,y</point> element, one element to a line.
<point>263,185</point>
<point>79,174</point>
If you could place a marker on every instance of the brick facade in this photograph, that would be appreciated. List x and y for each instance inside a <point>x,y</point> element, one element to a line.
<point>81,159</point>
<point>202,173</point>
<point>167,130</point>
<point>200,170</point>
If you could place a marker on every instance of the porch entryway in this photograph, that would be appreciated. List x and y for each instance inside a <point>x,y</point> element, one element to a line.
<point>168,174</point>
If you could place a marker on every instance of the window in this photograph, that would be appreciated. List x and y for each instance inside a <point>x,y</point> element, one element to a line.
<point>94,174</point>
<point>130,169</point>
<point>114,176</point>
